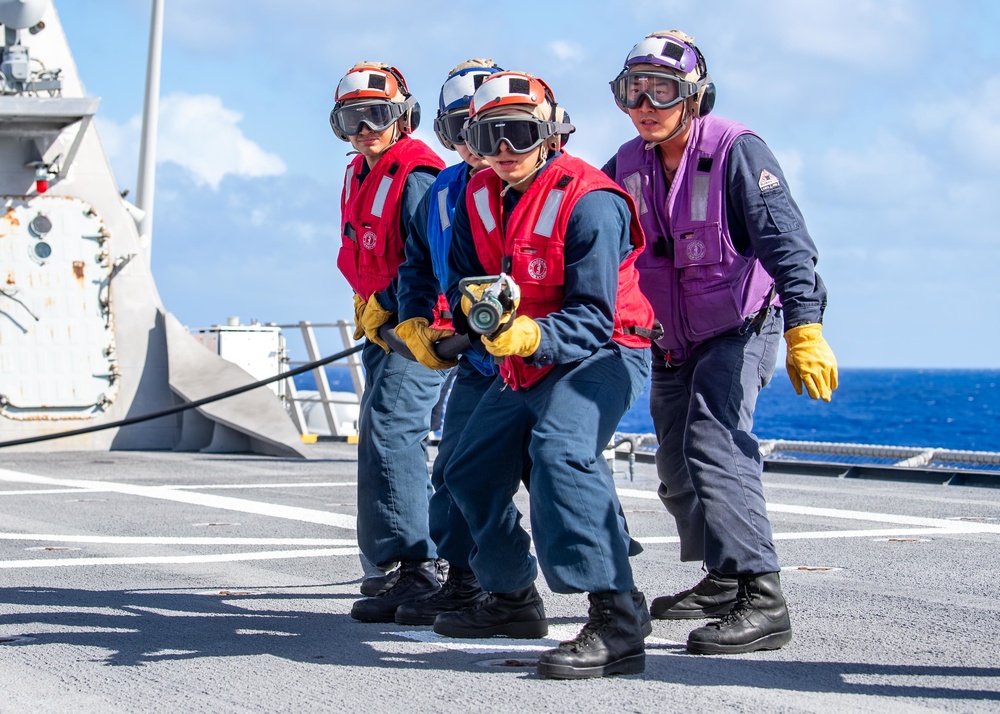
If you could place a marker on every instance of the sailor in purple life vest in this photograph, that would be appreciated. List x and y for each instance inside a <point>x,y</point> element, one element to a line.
<point>384,184</point>
<point>728,267</point>
<point>576,344</point>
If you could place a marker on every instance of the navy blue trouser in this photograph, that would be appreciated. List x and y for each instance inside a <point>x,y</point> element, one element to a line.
<point>393,484</point>
<point>708,459</point>
<point>448,526</point>
<point>561,425</point>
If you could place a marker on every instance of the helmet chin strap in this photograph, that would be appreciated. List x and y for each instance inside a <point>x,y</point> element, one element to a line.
<point>675,132</point>
<point>542,156</point>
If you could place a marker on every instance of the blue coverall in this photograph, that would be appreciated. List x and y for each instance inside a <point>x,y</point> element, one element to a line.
<point>561,425</point>
<point>418,291</point>
<point>393,485</point>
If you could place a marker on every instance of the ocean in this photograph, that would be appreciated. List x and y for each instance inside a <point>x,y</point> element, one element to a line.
<point>941,408</point>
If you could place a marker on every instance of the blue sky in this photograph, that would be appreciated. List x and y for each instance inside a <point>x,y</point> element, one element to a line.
<point>885,115</point>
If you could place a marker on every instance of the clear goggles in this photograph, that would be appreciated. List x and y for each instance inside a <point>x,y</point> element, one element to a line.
<point>448,127</point>
<point>484,136</point>
<point>378,116</point>
<point>662,89</point>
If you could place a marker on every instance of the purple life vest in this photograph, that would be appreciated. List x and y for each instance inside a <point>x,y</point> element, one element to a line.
<point>698,284</point>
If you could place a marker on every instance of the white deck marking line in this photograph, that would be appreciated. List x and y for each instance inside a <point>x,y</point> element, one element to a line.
<point>557,634</point>
<point>823,535</point>
<point>180,559</point>
<point>182,487</point>
<point>167,540</point>
<point>40,492</point>
<point>248,486</point>
<point>963,527</point>
<point>306,515</point>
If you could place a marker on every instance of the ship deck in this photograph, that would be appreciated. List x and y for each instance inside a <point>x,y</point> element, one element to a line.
<point>158,581</point>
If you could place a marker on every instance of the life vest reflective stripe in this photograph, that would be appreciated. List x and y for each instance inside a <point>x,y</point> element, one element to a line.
<point>699,196</point>
<point>482,201</point>
<point>348,183</point>
<point>547,216</point>
<point>443,214</point>
<point>378,204</point>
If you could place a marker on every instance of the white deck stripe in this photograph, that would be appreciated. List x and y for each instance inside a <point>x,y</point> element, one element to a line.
<point>218,558</point>
<point>40,492</point>
<point>824,535</point>
<point>306,515</point>
<point>955,526</point>
<point>557,633</point>
<point>186,487</point>
<point>249,486</point>
<point>921,526</point>
<point>167,540</point>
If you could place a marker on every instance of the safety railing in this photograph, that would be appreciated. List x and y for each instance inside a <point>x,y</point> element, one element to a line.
<point>336,408</point>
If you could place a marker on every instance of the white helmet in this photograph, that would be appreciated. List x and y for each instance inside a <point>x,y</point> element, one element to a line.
<point>374,94</point>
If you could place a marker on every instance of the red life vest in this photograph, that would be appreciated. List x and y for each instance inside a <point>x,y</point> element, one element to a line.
<point>531,248</point>
<point>372,244</point>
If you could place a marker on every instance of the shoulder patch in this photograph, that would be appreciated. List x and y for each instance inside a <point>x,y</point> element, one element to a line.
<point>767,181</point>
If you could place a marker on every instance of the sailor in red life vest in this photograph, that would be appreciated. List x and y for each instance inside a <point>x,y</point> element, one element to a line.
<point>728,262</point>
<point>573,358</point>
<point>384,184</point>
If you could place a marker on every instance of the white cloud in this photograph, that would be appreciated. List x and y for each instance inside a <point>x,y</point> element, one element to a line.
<point>973,127</point>
<point>566,51</point>
<point>886,173</point>
<point>200,134</point>
<point>195,132</point>
<point>869,34</point>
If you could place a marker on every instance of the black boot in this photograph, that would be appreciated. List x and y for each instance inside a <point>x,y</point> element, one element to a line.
<point>610,642</point>
<point>639,600</point>
<point>758,621</point>
<point>417,579</point>
<point>461,589</point>
<point>714,596</point>
<point>377,584</point>
<point>519,614</point>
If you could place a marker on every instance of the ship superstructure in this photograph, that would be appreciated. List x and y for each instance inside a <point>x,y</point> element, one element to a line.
<point>84,336</point>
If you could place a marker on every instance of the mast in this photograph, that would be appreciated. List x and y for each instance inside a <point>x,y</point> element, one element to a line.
<point>150,116</point>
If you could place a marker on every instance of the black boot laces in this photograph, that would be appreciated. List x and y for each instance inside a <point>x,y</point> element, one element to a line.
<point>599,615</point>
<point>744,603</point>
<point>405,578</point>
<point>450,586</point>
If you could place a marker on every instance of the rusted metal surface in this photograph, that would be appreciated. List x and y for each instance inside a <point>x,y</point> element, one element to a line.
<point>59,360</point>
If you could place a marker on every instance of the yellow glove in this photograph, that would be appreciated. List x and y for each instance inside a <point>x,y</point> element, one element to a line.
<point>505,292</point>
<point>811,362</point>
<point>420,338</point>
<point>522,338</point>
<point>359,310</point>
<point>477,290</point>
<point>374,317</point>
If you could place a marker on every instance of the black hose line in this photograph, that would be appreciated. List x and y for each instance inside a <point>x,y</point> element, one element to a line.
<point>183,407</point>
